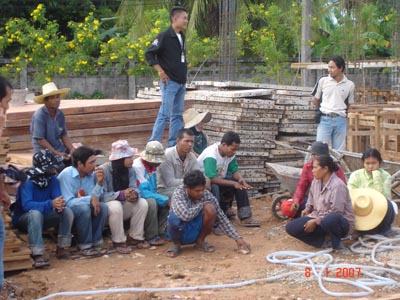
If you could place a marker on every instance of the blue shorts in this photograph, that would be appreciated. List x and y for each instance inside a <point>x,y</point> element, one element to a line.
<point>186,232</point>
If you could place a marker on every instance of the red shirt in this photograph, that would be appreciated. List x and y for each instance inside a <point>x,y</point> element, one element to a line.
<point>307,177</point>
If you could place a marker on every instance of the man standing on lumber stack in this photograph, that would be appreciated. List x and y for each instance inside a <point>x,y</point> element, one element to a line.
<point>333,95</point>
<point>48,128</point>
<point>167,54</point>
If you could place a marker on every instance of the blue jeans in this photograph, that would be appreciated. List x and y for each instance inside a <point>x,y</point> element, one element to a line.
<point>88,226</point>
<point>185,232</point>
<point>333,225</point>
<point>2,238</point>
<point>34,222</point>
<point>333,129</point>
<point>171,110</point>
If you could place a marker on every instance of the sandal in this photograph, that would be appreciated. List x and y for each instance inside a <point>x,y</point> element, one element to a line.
<point>156,241</point>
<point>39,262</point>
<point>249,222</point>
<point>205,247</point>
<point>139,244</point>
<point>122,248</point>
<point>173,251</point>
<point>90,253</point>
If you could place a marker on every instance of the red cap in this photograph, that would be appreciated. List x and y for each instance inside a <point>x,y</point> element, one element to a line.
<point>285,208</point>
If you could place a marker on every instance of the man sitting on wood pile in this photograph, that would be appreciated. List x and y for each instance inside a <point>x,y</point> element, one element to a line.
<point>48,128</point>
<point>194,212</point>
<point>82,187</point>
<point>219,165</point>
<point>40,205</point>
<point>292,208</point>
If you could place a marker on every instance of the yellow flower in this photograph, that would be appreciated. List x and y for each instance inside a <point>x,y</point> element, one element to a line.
<point>9,40</point>
<point>47,71</point>
<point>157,23</point>
<point>83,62</point>
<point>17,59</point>
<point>47,46</point>
<point>61,69</point>
<point>206,40</point>
<point>147,43</point>
<point>110,41</point>
<point>18,69</point>
<point>113,57</point>
<point>71,45</point>
<point>387,18</point>
<point>48,79</point>
<point>312,43</point>
<point>99,63</point>
<point>155,30</point>
<point>96,22</point>
<point>95,27</point>
<point>40,40</point>
<point>130,56</point>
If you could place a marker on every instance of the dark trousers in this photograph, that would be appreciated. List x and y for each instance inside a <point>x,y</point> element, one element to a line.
<point>225,196</point>
<point>333,225</point>
<point>386,225</point>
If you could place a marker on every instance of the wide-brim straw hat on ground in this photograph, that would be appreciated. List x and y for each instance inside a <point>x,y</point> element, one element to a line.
<point>153,153</point>
<point>50,89</point>
<point>370,207</point>
<point>121,149</point>
<point>192,117</point>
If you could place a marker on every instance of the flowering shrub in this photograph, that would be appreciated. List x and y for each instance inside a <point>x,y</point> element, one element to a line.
<point>50,54</point>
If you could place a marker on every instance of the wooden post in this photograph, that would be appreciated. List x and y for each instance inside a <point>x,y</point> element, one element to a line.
<point>131,83</point>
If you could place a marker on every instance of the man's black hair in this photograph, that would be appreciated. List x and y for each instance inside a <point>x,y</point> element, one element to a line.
<point>4,84</point>
<point>339,61</point>
<point>194,178</point>
<point>81,154</point>
<point>230,137</point>
<point>183,131</point>
<point>176,10</point>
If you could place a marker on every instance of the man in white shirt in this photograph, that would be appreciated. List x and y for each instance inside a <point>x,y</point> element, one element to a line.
<point>333,95</point>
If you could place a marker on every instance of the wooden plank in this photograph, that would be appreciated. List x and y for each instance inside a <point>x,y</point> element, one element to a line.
<point>18,265</point>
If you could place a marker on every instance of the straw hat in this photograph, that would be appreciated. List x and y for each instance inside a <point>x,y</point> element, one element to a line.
<point>50,89</point>
<point>121,149</point>
<point>369,206</point>
<point>154,152</point>
<point>191,117</point>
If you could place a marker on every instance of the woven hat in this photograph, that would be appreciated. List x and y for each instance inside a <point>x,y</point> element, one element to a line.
<point>319,148</point>
<point>370,207</point>
<point>154,152</point>
<point>121,149</point>
<point>50,89</point>
<point>191,117</point>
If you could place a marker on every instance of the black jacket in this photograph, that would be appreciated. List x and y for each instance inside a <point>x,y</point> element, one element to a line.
<point>166,51</point>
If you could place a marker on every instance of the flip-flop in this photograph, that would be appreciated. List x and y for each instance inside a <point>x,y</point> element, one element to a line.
<point>173,251</point>
<point>122,248</point>
<point>156,241</point>
<point>90,253</point>
<point>205,247</point>
<point>39,262</point>
<point>249,222</point>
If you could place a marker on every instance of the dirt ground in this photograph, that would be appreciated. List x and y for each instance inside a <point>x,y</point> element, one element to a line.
<point>152,269</point>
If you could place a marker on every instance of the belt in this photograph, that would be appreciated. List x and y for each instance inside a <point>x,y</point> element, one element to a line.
<point>331,115</point>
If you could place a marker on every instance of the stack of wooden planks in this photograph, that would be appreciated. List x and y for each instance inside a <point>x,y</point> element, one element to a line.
<point>16,254</point>
<point>95,123</point>
<point>4,149</point>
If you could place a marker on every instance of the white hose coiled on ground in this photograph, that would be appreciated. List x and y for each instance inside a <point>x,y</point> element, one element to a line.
<point>302,260</point>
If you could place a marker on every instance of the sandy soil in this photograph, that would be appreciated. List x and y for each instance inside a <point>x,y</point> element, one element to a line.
<point>152,269</point>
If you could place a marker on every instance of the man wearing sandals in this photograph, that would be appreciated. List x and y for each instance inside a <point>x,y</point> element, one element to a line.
<point>82,188</point>
<point>39,205</point>
<point>145,168</point>
<point>219,165</point>
<point>194,212</point>
<point>123,199</point>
